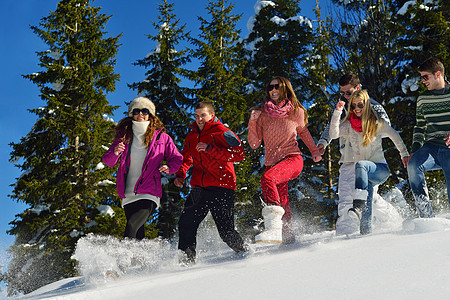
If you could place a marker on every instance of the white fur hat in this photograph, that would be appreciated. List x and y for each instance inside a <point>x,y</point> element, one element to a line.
<point>141,102</point>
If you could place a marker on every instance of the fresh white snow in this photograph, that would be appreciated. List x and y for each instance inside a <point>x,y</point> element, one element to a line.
<point>410,262</point>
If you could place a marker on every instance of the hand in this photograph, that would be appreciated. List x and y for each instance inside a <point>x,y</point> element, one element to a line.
<point>321,148</point>
<point>201,146</point>
<point>447,140</point>
<point>164,169</point>
<point>340,105</point>
<point>255,115</point>
<point>405,160</point>
<point>179,182</point>
<point>119,148</point>
<point>317,158</point>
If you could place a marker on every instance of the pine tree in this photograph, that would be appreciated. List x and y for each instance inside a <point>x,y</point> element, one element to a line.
<point>319,80</point>
<point>384,42</point>
<point>220,79</point>
<point>366,38</point>
<point>424,27</point>
<point>63,180</point>
<point>165,68</point>
<point>283,43</point>
<point>278,42</point>
<point>161,85</point>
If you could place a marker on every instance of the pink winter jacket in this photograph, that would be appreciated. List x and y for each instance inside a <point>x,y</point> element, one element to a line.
<point>161,148</point>
<point>280,135</point>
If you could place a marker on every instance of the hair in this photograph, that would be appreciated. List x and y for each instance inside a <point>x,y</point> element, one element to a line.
<point>349,78</point>
<point>286,91</point>
<point>124,129</point>
<point>369,119</point>
<point>432,65</point>
<point>205,104</point>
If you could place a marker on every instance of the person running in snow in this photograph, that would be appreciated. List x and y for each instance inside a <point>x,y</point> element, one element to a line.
<point>431,139</point>
<point>211,148</point>
<point>365,131</point>
<point>348,84</point>
<point>278,123</point>
<point>141,145</point>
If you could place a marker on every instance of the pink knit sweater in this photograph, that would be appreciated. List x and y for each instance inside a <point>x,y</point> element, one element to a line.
<point>279,135</point>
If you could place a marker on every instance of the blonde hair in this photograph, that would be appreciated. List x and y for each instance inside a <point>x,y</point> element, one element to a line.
<point>287,91</point>
<point>370,124</point>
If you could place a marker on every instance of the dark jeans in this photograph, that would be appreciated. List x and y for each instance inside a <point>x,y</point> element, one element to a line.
<point>220,201</point>
<point>137,214</point>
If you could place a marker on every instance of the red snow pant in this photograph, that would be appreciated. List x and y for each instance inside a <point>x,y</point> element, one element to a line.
<point>274,185</point>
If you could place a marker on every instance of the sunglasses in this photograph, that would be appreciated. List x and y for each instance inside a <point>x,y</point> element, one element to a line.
<point>137,111</point>
<point>360,105</point>
<point>273,86</point>
<point>346,93</point>
<point>425,77</point>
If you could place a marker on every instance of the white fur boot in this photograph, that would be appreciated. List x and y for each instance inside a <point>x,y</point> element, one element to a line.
<point>273,225</point>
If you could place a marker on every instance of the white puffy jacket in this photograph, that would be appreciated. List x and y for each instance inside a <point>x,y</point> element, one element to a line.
<point>372,152</point>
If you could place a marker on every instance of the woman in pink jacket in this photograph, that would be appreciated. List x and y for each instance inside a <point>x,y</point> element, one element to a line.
<point>278,123</point>
<point>141,145</point>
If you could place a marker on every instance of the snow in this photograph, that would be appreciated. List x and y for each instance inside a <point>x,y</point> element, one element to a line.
<point>75,233</point>
<point>37,209</point>
<point>410,262</point>
<point>107,118</point>
<point>99,166</point>
<point>402,11</point>
<point>279,21</point>
<point>262,4</point>
<point>404,258</point>
<point>58,85</point>
<point>106,210</point>
<point>105,182</point>
<point>410,84</point>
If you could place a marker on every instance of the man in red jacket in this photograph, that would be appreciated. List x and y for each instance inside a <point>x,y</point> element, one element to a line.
<point>211,148</point>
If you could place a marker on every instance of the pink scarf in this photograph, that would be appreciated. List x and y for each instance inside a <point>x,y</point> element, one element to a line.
<point>279,110</point>
<point>356,122</point>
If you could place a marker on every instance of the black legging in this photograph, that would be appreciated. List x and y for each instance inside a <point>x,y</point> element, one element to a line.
<point>137,214</point>
<point>220,201</point>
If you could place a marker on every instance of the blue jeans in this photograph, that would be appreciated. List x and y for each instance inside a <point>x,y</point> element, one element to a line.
<point>367,175</point>
<point>428,157</point>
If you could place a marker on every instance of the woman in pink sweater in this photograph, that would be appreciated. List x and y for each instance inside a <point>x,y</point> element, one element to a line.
<point>278,123</point>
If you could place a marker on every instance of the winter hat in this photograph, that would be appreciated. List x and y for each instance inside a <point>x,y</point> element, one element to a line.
<point>141,102</point>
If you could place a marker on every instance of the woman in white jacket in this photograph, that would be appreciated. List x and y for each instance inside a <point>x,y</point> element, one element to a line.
<point>365,133</point>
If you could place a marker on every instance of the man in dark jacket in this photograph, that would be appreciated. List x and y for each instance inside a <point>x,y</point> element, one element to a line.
<point>211,148</point>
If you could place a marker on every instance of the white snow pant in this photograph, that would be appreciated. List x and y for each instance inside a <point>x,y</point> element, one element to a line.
<point>346,192</point>
<point>384,214</point>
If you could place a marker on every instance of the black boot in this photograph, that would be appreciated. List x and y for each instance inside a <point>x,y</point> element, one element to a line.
<point>187,257</point>
<point>355,212</point>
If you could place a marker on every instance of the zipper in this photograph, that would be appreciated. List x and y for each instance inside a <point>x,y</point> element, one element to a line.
<point>126,162</point>
<point>201,161</point>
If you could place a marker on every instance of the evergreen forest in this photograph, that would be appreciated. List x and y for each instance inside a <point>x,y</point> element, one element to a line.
<point>70,193</point>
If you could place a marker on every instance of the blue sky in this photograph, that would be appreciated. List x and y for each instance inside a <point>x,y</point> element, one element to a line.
<point>18,57</point>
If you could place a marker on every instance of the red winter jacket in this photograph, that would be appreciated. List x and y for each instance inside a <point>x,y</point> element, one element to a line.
<point>213,167</point>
